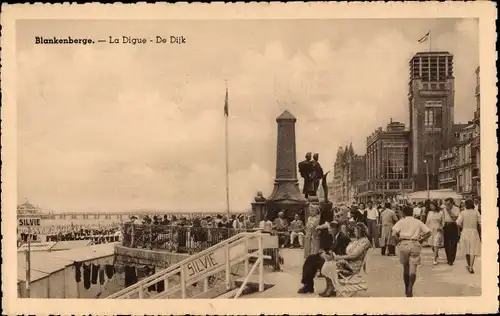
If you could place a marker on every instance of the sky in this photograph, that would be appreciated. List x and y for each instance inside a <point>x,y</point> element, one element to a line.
<point>124,127</point>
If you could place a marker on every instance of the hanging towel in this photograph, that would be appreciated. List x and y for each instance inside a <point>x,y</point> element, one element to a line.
<point>130,276</point>
<point>95,271</point>
<point>119,268</point>
<point>86,276</point>
<point>78,272</point>
<point>160,286</point>
<point>151,271</point>
<point>110,270</point>
<point>141,271</point>
<point>101,275</point>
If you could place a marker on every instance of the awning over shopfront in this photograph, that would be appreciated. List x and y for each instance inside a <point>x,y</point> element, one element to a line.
<point>421,196</point>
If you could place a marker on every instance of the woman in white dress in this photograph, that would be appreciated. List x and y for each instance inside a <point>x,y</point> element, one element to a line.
<point>311,238</point>
<point>435,221</point>
<point>470,243</point>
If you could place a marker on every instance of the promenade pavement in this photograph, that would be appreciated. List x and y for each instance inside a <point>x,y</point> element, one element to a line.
<point>384,277</point>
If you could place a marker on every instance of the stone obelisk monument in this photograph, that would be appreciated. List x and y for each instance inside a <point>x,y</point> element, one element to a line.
<point>286,195</point>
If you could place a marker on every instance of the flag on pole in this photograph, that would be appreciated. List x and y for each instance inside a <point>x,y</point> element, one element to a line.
<point>425,37</point>
<point>226,105</point>
<point>226,114</point>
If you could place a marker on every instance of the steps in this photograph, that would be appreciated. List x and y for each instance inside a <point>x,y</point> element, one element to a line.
<point>206,274</point>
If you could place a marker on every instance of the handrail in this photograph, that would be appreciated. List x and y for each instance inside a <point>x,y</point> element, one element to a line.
<point>173,269</point>
<point>199,278</point>
<point>184,239</point>
<point>244,284</point>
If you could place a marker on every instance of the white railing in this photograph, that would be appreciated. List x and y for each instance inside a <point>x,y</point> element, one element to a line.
<point>205,264</point>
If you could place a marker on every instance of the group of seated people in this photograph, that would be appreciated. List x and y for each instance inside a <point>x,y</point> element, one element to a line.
<point>287,233</point>
<point>343,256</point>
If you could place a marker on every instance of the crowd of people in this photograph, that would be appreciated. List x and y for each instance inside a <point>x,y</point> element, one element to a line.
<point>190,235</point>
<point>356,229</point>
<point>235,221</point>
<point>183,234</point>
<point>335,242</point>
<point>96,234</point>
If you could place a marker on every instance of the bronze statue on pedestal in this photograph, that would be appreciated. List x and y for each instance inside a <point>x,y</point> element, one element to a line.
<point>312,172</point>
<point>306,172</point>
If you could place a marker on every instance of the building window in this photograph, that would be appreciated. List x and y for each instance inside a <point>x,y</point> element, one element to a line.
<point>394,185</point>
<point>394,162</point>
<point>429,118</point>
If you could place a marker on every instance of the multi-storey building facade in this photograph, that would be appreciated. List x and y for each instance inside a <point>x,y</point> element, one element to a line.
<point>431,103</point>
<point>465,162</point>
<point>460,164</point>
<point>448,168</point>
<point>476,141</point>
<point>448,161</point>
<point>387,164</point>
<point>348,170</point>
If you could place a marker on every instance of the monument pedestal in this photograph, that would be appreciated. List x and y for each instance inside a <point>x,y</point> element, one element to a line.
<point>286,196</point>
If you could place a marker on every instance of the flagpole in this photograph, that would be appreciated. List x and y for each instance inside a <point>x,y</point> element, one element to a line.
<point>430,41</point>
<point>227,157</point>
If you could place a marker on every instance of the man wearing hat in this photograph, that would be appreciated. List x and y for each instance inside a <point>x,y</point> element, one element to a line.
<point>218,219</point>
<point>281,226</point>
<point>297,230</point>
<point>314,262</point>
<point>239,223</point>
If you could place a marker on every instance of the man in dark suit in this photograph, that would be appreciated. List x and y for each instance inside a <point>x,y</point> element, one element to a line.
<point>314,263</point>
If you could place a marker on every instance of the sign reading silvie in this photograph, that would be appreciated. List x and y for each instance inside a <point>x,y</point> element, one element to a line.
<point>201,265</point>
<point>27,221</point>
<point>212,260</point>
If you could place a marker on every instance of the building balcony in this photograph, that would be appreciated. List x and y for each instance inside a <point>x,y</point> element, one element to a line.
<point>476,142</point>
<point>464,163</point>
<point>476,173</point>
<point>465,190</point>
<point>477,115</point>
<point>446,168</point>
<point>433,92</point>
<point>447,180</point>
<point>444,156</point>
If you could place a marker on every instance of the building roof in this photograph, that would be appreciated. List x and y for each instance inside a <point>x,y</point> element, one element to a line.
<point>340,152</point>
<point>45,263</point>
<point>286,116</point>
<point>393,129</point>
<point>70,244</point>
<point>432,53</point>
<point>457,127</point>
<point>27,208</point>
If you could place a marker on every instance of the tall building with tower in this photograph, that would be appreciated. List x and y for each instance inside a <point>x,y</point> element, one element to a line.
<point>431,103</point>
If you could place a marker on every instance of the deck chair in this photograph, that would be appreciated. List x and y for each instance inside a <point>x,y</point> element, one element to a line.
<point>349,284</point>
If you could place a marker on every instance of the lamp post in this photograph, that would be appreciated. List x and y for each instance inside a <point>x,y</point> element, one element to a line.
<point>427,172</point>
<point>383,188</point>
<point>401,185</point>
